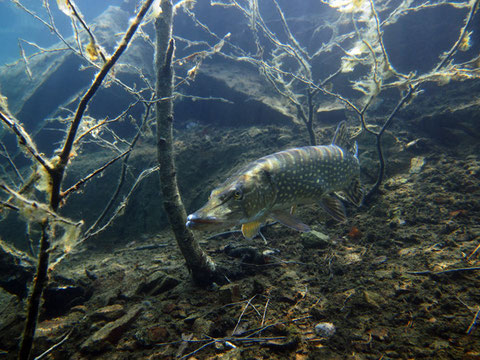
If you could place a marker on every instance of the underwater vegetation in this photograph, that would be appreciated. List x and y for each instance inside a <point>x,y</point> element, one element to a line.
<point>133,74</point>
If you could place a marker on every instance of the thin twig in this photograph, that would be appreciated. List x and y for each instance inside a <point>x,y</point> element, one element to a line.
<point>89,233</point>
<point>48,351</point>
<point>37,206</point>
<point>197,350</point>
<point>243,312</point>
<point>58,173</point>
<point>463,31</point>
<point>449,271</point>
<point>473,253</point>
<point>10,206</point>
<point>265,312</point>
<point>6,154</point>
<point>79,17</point>
<point>25,140</point>
<point>473,323</point>
<point>123,173</point>
<point>84,180</point>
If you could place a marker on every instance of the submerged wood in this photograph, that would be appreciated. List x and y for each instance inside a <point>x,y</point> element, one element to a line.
<point>41,279</point>
<point>202,268</point>
<point>57,173</point>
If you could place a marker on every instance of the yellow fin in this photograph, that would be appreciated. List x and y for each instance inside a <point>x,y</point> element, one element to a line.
<point>251,229</point>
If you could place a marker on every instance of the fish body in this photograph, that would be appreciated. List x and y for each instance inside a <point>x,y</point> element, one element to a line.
<point>270,186</point>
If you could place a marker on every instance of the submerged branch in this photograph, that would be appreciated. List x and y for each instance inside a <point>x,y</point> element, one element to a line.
<point>463,31</point>
<point>25,140</point>
<point>98,171</point>
<point>34,302</point>
<point>58,173</point>
<point>202,268</point>
<point>121,178</point>
<point>120,209</point>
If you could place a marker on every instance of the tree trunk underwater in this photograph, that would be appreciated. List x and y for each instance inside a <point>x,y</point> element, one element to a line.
<point>202,268</point>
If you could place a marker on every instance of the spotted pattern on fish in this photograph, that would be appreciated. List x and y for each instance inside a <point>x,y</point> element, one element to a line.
<point>267,186</point>
<point>302,175</point>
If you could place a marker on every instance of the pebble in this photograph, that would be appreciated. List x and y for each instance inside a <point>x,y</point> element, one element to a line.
<point>416,164</point>
<point>325,329</point>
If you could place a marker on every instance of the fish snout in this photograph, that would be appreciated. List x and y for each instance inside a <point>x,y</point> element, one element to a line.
<point>194,221</point>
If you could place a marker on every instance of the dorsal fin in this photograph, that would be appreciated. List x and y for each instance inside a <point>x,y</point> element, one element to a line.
<point>341,137</point>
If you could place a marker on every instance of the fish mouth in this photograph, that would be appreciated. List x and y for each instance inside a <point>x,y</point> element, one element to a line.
<point>195,222</point>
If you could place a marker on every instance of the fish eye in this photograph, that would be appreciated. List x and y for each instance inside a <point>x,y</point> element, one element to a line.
<point>237,195</point>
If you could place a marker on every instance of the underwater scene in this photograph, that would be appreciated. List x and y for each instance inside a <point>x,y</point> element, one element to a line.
<point>240,179</point>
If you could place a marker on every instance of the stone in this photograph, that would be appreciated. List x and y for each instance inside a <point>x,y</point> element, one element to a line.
<point>11,320</point>
<point>416,164</point>
<point>59,298</point>
<point>229,293</point>
<point>325,329</point>
<point>373,299</point>
<point>191,318</point>
<point>16,270</point>
<point>202,327</point>
<point>111,332</point>
<point>157,334</point>
<point>108,313</point>
<point>157,283</point>
<point>315,240</point>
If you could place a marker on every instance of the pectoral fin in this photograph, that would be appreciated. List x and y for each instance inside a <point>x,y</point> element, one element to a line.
<point>290,221</point>
<point>334,207</point>
<point>354,192</point>
<point>251,229</point>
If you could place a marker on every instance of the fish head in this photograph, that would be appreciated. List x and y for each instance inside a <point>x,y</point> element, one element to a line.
<point>239,201</point>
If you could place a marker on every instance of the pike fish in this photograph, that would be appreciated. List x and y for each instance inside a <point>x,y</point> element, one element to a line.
<point>272,185</point>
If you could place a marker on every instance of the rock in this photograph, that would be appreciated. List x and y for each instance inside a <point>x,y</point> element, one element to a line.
<point>373,299</point>
<point>169,308</point>
<point>111,332</point>
<point>48,332</point>
<point>416,164</point>
<point>318,314</point>
<point>247,254</point>
<point>379,333</point>
<point>325,329</point>
<point>293,339</point>
<point>152,335</point>
<point>157,283</point>
<point>16,270</point>
<point>315,240</point>
<point>229,293</point>
<point>108,313</point>
<point>202,327</point>
<point>11,320</point>
<point>60,298</point>
<point>191,318</point>
<point>158,333</point>
<point>55,328</point>
<point>233,354</point>
<point>379,260</point>
<point>239,84</point>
